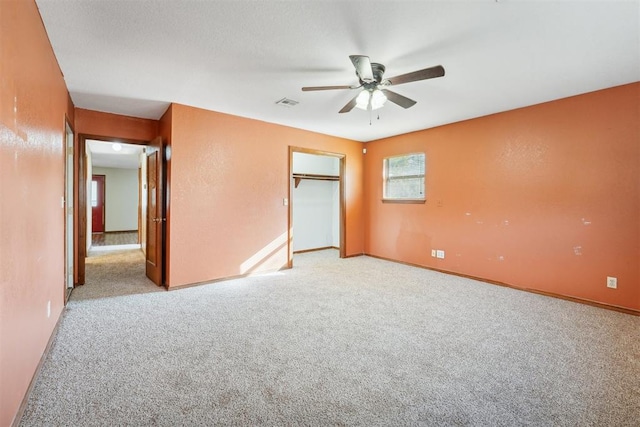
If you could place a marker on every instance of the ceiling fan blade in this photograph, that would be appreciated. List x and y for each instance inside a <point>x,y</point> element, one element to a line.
<point>396,98</point>
<point>427,73</point>
<point>349,105</point>
<point>310,88</point>
<point>363,67</point>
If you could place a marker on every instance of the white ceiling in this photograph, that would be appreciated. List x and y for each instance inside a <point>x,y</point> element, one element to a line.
<point>103,155</point>
<point>240,57</point>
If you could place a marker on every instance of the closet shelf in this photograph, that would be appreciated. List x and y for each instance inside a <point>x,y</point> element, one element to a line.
<point>300,176</point>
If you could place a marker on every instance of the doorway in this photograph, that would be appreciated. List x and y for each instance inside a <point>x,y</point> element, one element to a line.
<point>316,201</point>
<point>123,163</point>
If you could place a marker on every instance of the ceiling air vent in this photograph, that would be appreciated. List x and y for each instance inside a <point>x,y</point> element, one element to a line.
<point>286,102</point>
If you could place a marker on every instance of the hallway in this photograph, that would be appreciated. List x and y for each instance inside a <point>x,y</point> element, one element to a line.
<point>114,238</point>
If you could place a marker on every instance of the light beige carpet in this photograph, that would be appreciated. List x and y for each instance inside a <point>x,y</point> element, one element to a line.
<point>112,273</point>
<point>358,341</point>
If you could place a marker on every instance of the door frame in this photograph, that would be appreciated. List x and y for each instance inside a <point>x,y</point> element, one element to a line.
<point>343,211</point>
<point>80,193</point>
<point>70,174</point>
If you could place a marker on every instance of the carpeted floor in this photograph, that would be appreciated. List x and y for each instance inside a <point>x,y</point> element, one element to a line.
<point>358,341</point>
<point>111,272</point>
<point>113,238</point>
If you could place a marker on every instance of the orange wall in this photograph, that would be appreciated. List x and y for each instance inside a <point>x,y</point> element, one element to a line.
<point>96,123</point>
<point>32,122</point>
<point>71,116</point>
<point>545,197</point>
<point>228,178</point>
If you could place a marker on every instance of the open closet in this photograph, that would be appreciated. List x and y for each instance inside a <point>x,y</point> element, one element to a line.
<point>316,201</point>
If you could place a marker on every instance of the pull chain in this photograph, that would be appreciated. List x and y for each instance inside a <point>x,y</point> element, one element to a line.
<point>370,116</point>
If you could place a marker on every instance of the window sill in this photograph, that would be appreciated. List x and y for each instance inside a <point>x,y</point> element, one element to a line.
<point>405,201</point>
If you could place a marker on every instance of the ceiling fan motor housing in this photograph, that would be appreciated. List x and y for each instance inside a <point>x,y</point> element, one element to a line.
<point>378,72</point>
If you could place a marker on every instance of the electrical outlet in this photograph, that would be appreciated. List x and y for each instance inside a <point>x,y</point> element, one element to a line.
<point>440,254</point>
<point>433,253</point>
<point>612,282</point>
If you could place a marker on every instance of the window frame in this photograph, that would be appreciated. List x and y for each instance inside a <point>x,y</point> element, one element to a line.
<point>385,179</point>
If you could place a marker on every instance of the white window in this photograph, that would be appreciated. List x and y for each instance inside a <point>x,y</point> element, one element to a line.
<point>404,178</point>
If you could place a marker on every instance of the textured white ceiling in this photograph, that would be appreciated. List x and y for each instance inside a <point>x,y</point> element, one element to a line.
<point>103,155</point>
<point>240,57</point>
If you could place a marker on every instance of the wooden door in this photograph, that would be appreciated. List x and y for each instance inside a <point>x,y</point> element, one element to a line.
<point>155,212</point>
<point>97,203</point>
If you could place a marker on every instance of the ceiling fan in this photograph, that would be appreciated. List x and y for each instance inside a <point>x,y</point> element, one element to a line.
<point>374,91</point>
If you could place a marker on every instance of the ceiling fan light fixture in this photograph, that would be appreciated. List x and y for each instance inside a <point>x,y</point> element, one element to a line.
<point>371,99</point>
<point>362,101</point>
<point>377,99</point>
